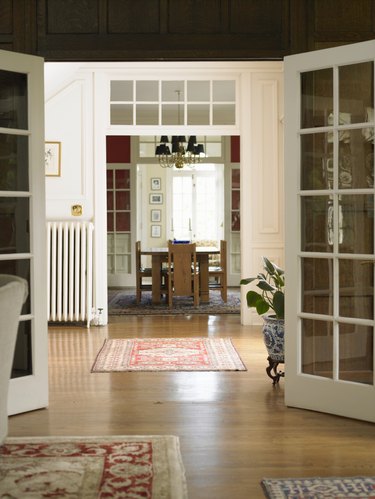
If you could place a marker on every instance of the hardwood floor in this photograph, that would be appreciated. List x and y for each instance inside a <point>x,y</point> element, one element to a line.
<point>233,426</point>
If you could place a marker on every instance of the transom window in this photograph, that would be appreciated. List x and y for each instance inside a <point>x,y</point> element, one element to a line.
<point>167,102</point>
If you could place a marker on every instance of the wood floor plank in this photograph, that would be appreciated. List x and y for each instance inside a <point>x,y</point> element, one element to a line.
<point>233,426</point>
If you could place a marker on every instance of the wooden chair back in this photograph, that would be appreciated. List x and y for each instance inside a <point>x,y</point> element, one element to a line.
<point>137,257</point>
<point>219,273</point>
<point>140,273</point>
<point>223,255</point>
<point>183,276</point>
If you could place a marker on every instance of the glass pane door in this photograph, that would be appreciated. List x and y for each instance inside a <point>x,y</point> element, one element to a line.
<point>119,242</point>
<point>337,222</point>
<point>22,220</point>
<point>14,202</point>
<point>332,260</point>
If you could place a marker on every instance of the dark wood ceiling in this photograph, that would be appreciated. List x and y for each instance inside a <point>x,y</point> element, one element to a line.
<point>167,30</point>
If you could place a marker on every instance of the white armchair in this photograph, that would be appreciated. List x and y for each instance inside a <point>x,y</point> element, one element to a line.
<point>13,293</point>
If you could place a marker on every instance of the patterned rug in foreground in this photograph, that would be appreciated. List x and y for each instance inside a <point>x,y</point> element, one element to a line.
<point>92,467</point>
<point>319,488</point>
<point>168,354</point>
<point>123,302</point>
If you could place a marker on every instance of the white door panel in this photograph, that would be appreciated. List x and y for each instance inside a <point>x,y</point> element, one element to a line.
<point>22,214</point>
<point>329,164</point>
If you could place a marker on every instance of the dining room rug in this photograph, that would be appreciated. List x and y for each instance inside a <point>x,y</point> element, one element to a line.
<point>168,354</point>
<point>319,487</point>
<point>92,467</point>
<point>123,302</point>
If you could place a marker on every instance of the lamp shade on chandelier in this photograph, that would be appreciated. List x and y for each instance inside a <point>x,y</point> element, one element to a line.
<point>180,155</point>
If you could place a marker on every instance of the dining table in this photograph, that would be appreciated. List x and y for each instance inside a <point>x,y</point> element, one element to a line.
<point>160,255</point>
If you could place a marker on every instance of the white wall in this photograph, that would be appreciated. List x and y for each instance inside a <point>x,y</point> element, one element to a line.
<point>262,189</point>
<point>146,173</point>
<point>68,119</point>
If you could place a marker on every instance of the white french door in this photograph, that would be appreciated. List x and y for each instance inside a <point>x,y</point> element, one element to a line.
<point>22,220</point>
<point>198,203</point>
<point>329,164</point>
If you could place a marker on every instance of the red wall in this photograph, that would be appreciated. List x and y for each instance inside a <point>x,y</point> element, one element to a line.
<point>235,149</point>
<point>118,149</point>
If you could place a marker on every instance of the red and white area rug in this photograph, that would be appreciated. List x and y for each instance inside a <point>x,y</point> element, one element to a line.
<point>92,467</point>
<point>168,354</point>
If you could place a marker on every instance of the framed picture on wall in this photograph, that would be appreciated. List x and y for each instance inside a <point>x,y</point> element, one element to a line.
<point>155,230</point>
<point>155,215</point>
<point>156,198</point>
<point>155,184</point>
<point>52,159</point>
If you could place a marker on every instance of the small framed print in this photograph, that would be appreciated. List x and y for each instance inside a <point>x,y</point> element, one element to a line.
<point>52,159</point>
<point>156,198</point>
<point>155,230</point>
<point>155,184</point>
<point>155,215</point>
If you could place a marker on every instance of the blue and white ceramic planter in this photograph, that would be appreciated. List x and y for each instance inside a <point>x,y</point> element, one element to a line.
<point>273,336</point>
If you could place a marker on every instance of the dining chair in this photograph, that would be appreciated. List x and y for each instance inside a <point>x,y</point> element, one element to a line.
<point>144,275</point>
<point>217,274</point>
<point>13,293</point>
<point>183,274</point>
<point>141,273</point>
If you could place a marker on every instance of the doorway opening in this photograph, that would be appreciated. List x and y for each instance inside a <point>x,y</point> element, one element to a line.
<point>151,204</point>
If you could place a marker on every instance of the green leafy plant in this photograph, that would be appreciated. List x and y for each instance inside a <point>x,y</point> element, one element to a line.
<point>271,282</point>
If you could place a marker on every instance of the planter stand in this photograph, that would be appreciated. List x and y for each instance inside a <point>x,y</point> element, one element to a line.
<point>273,364</point>
<point>273,336</point>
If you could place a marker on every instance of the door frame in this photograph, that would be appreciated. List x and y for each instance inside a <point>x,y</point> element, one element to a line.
<point>259,107</point>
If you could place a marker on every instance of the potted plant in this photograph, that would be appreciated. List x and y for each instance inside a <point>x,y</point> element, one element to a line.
<point>271,283</point>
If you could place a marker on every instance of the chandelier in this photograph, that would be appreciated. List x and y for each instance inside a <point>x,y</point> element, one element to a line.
<point>180,156</point>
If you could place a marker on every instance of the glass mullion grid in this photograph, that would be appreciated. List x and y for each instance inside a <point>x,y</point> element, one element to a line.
<point>185,103</point>
<point>335,256</point>
<point>112,234</point>
<point>298,322</point>
<point>18,194</point>
<point>114,215</point>
<point>22,194</point>
<point>336,283</point>
<point>311,254</point>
